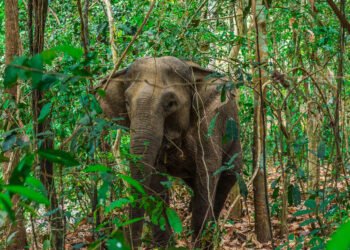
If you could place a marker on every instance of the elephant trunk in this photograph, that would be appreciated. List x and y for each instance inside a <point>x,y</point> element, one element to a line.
<point>145,144</point>
<point>146,138</point>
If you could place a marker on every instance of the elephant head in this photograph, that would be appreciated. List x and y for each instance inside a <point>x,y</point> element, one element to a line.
<point>155,96</point>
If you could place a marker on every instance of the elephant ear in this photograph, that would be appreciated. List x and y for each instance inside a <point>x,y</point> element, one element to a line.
<point>113,102</point>
<point>202,75</point>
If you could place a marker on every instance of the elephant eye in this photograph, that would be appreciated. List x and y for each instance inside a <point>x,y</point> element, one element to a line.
<point>170,106</point>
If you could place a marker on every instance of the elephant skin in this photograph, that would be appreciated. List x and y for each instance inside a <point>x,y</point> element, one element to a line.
<point>172,105</point>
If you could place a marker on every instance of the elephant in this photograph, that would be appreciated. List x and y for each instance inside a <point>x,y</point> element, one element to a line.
<point>175,106</point>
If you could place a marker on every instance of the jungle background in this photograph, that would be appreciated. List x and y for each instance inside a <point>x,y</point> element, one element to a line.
<point>65,181</point>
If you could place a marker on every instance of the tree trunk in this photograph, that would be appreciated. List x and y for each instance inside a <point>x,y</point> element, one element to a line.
<point>312,135</point>
<point>262,218</point>
<point>38,9</point>
<point>13,48</point>
<point>240,31</point>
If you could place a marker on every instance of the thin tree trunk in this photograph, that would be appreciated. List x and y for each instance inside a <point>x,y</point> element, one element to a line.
<point>339,166</point>
<point>38,9</point>
<point>312,135</point>
<point>240,31</point>
<point>13,48</point>
<point>111,30</point>
<point>263,228</point>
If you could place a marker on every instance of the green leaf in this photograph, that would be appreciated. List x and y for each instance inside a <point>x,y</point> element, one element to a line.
<point>45,111</point>
<point>29,194</point>
<point>36,62</point>
<point>302,212</point>
<point>307,222</point>
<point>174,220</point>
<point>22,170</point>
<point>321,150</point>
<point>101,92</point>
<point>212,125</point>
<point>310,204</point>
<point>115,244</point>
<point>10,76</point>
<point>58,156</point>
<point>117,204</point>
<point>49,55</point>
<point>242,186</point>
<point>223,94</point>
<point>129,222</point>
<point>231,131</point>
<point>294,195</point>
<point>12,72</point>
<point>3,158</point>
<point>9,141</point>
<point>35,183</point>
<point>6,204</point>
<point>96,168</point>
<point>134,183</point>
<point>340,240</point>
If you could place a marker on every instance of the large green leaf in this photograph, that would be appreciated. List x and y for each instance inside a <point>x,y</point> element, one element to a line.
<point>10,76</point>
<point>6,205</point>
<point>22,170</point>
<point>340,240</point>
<point>212,125</point>
<point>36,63</point>
<point>231,131</point>
<point>13,70</point>
<point>134,183</point>
<point>96,168</point>
<point>174,220</point>
<point>117,204</point>
<point>58,156</point>
<point>45,111</point>
<point>51,54</point>
<point>28,193</point>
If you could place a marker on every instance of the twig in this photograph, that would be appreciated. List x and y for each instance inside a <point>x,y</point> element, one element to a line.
<point>129,45</point>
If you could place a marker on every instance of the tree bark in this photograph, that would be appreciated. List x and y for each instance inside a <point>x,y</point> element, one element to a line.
<point>263,228</point>
<point>13,48</point>
<point>38,10</point>
<point>240,31</point>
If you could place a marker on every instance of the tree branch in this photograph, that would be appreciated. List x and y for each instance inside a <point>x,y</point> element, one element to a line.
<point>340,16</point>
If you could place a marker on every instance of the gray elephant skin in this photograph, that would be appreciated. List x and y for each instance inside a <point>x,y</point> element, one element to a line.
<point>172,105</point>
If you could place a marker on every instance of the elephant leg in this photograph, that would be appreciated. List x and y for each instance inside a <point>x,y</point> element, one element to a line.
<point>225,184</point>
<point>161,237</point>
<point>203,206</point>
<point>135,229</point>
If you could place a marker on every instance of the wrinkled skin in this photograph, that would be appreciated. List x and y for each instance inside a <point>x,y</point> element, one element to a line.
<point>169,104</point>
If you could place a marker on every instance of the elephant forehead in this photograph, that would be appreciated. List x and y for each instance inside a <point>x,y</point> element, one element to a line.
<point>164,69</point>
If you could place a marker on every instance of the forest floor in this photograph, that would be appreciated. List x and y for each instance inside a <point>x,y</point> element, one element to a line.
<point>237,233</point>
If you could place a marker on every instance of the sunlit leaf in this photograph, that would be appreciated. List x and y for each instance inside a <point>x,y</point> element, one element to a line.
<point>174,220</point>
<point>28,193</point>
<point>96,168</point>
<point>340,240</point>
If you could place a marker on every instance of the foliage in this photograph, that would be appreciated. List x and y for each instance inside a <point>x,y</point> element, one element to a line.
<point>303,47</point>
